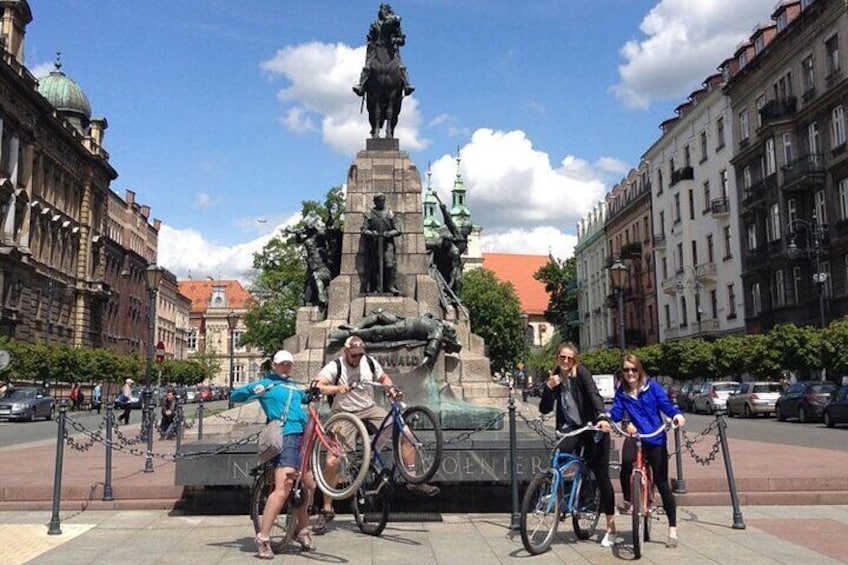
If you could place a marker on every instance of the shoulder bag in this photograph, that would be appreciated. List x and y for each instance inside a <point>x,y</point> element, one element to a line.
<point>269,444</point>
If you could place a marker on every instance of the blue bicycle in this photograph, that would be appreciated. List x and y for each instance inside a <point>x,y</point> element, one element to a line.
<point>567,487</point>
<point>414,429</point>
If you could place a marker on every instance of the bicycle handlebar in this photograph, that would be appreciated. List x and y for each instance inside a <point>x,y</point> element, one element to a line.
<point>397,395</point>
<point>670,425</point>
<point>578,431</point>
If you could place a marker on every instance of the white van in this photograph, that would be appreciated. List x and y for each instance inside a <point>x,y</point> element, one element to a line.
<point>606,386</point>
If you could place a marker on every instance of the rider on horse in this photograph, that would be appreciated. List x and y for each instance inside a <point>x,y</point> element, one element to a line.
<point>376,34</point>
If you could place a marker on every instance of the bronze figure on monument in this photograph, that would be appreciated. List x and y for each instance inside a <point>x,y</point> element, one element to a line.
<point>380,231</point>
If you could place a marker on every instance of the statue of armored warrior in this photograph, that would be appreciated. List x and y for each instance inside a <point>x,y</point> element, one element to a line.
<point>380,232</point>
<point>385,29</point>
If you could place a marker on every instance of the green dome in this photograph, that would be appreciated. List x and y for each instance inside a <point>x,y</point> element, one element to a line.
<point>64,94</point>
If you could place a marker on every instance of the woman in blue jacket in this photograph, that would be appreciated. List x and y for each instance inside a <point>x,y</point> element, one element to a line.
<point>281,400</point>
<point>644,402</point>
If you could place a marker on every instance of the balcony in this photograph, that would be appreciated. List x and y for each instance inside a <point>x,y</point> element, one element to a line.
<point>669,285</point>
<point>757,258</point>
<point>778,109</point>
<point>685,173</point>
<point>633,249</point>
<point>720,207</point>
<point>804,173</point>
<point>706,272</point>
<point>659,241</point>
<point>753,195</point>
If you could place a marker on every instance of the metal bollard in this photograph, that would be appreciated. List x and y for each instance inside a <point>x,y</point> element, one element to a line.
<point>180,426</point>
<point>738,523</point>
<point>55,528</point>
<point>200,420</point>
<point>107,483</point>
<point>148,422</point>
<point>515,519</point>
<point>680,485</point>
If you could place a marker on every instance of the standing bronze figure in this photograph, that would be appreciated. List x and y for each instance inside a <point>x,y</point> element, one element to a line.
<point>380,232</point>
<point>384,81</point>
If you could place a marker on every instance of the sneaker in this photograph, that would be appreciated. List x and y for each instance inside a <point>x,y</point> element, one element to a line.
<point>624,507</point>
<point>263,547</point>
<point>609,540</point>
<point>423,490</point>
<point>671,543</point>
<point>324,518</point>
<point>304,538</point>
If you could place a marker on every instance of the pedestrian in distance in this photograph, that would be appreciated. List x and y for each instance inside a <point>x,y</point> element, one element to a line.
<point>169,410</point>
<point>571,392</point>
<point>282,401</point>
<point>644,401</point>
<point>97,398</point>
<point>124,399</point>
<point>75,397</point>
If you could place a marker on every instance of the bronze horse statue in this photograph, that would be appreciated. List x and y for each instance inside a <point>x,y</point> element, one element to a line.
<point>384,87</point>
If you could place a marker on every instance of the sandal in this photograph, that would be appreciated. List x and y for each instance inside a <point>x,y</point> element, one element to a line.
<point>263,548</point>
<point>324,518</point>
<point>304,538</point>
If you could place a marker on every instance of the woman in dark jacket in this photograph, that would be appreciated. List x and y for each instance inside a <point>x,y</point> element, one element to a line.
<point>571,390</point>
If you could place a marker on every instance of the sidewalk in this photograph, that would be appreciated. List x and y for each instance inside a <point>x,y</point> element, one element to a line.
<point>774,534</point>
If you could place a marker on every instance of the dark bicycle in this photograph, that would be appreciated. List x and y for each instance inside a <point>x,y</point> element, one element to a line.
<point>418,428</point>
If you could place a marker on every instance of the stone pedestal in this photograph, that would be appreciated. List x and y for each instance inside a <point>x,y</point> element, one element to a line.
<point>461,379</point>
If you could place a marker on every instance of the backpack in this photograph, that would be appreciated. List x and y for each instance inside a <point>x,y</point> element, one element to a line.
<point>330,397</point>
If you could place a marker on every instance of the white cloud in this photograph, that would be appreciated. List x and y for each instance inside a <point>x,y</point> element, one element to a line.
<point>536,241</point>
<point>202,200</point>
<point>683,43</point>
<point>512,185</point>
<point>320,77</point>
<point>41,70</point>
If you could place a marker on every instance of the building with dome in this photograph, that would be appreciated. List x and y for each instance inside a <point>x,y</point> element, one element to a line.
<point>73,253</point>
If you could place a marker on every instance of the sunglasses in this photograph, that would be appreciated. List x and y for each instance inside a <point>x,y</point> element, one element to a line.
<point>356,355</point>
<point>565,358</point>
<point>630,370</point>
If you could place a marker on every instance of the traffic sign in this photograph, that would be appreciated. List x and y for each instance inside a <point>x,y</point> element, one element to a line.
<point>160,352</point>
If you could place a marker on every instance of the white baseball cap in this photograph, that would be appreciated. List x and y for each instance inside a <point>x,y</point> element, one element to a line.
<point>354,344</point>
<point>283,356</point>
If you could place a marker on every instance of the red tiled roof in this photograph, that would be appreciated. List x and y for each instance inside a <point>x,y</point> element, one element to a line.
<point>201,291</point>
<point>519,270</point>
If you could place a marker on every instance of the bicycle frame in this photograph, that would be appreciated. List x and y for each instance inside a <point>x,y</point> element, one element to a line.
<point>568,465</point>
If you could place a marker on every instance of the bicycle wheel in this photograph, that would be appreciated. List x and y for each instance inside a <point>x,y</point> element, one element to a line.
<point>636,512</point>
<point>282,530</point>
<point>540,513</point>
<point>649,515</point>
<point>371,503</point>
<point>425,435</point>
<point>586,513</point>
<point>347,443</point>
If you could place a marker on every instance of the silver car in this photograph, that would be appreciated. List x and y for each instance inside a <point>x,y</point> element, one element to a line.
<point>27,403</point>
<point>753,398</point>
<point>712,396</point>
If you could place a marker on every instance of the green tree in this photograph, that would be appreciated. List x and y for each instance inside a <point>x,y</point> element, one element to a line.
<point>560,280</point>
<point>795,347</point>
<point>834,347</point>
<point>495,316</point>
<point>281,269</point>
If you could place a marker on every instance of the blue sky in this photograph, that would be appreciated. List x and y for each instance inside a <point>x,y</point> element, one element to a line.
<point>223,116</point>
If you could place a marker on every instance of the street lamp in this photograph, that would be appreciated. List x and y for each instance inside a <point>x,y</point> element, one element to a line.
<point>232,320</point>
<point>696,285</point>
<point>153,276</point>
<point>619,273</point>
<point>814,235</point>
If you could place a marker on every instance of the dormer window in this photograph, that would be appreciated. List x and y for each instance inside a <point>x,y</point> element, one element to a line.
<point>219,297</point>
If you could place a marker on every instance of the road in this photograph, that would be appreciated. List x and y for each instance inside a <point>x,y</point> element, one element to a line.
<point>13,433</point>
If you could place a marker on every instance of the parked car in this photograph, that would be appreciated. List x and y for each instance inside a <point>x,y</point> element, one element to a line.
<point>712,396</point>
<point>804,400</point>
<point>836,410</point>
<point>753,398</point>
<point>27,403</point>
<point>673,391</point>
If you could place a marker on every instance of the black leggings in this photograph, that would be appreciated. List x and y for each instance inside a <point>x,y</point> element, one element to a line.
<point>597,457</point>
<point>657,458</point>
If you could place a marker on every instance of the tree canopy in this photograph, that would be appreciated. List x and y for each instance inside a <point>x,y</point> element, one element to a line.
<point>560,280</point>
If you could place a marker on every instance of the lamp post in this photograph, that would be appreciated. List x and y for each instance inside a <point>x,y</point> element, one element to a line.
<point>232,320</point>
<point>696,286</point>
<point>619,273</point>
<point>814,234</point>
<point>153,276</point>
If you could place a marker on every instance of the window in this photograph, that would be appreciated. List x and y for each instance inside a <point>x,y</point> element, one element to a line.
<point>759,44</point>
<point>667,316</point>
<point>808,74</point>
<point>760,102</point>
<point>662,222</point>
<point>756,299</point>
<point>791,210</point>
<point>796,285</point>
<point>691,204</point>
<point>727,243</point>
<point>192,340</point>
<point>679,266</point>
<point>831,49</point>
<point>659,181</point>
<point>676,208</point>
<point>687,157</point>
<point>743,125</point>
<point>707,199</point>
<point>783,87</point>
<point>843,199</point>
<point>684,315</point>
<point>694,252</point>
<point>820,207</point>
<point>837,126</point>
<point>774,217</point>
<point>238,374</point>
<point>752,237</point>
<point>746,177</point>
<point>787,148</point>
<point>665,268</point>
<point>731,302</point>
<point>723,176</point>
<point>779,289</point>
<point>719,133</point>
<point>782,21</point>
<point>714,304</point>
<point>827,285</point>
<point>813,137</point>
<point>770,158</point>
<point>704,153</point>
<point>710,248</point>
